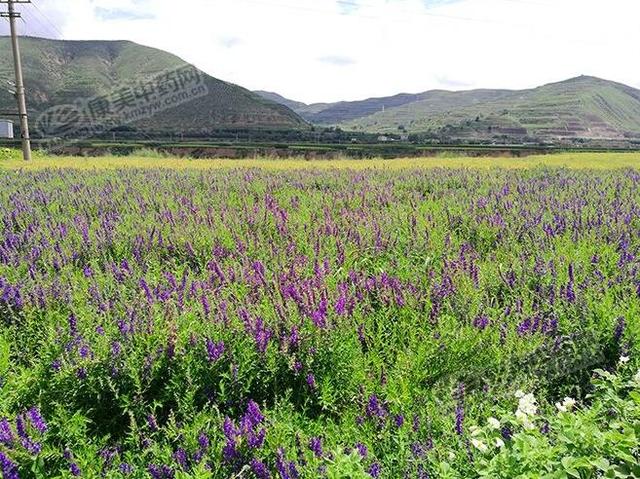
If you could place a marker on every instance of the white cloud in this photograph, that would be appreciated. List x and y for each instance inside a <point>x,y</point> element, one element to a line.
<point>388,46</point>
<point>337,60</point>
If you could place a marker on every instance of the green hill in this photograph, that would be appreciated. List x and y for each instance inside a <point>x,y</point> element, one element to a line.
<point>59,72</point>
<point>582,107</point>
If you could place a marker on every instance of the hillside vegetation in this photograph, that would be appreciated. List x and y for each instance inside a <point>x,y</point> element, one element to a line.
<point>63,72</point>
<point>582,107</point>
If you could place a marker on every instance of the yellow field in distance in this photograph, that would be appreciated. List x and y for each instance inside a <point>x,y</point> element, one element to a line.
<point>599,161</point>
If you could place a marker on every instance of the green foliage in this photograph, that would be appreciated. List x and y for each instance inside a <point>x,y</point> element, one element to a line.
<point>599,439</point>
<point>344,466</point>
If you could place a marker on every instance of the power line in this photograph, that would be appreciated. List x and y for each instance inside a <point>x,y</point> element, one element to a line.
<point>35,27</point>
<point>46,18</point>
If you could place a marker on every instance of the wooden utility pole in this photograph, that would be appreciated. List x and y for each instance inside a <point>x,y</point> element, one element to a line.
<point>12,15</point>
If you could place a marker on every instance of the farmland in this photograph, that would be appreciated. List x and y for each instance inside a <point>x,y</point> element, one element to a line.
<point>419,318</point>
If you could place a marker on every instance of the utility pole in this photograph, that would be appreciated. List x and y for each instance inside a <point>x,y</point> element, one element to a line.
<point>17,64</point>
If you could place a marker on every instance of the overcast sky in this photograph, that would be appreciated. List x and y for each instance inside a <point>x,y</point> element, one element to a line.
<point>329,50</point>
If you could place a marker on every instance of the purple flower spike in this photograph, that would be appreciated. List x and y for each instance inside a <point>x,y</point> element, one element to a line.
<point>36,420</point>
<point>315,445</point>
<point>362,450</point>
<point>311,381</point>
<point>374,470</point>
<point>6,435</point>
<point>214,350</point>
<point>75,469</point>
<point>8,468</point>
<point>259,469</point>
<point>399,421</point>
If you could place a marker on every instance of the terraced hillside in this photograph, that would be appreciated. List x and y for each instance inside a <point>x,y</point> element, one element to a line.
<point>582,107</point>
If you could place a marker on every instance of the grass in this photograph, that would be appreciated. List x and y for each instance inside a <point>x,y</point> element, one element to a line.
<point>591,161</point>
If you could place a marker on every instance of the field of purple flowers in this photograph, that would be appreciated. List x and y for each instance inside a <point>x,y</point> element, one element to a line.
<point>301,324</point>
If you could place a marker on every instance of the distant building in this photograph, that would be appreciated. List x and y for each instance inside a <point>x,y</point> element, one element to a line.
<point>404,137</point>
<point>384,139</point>
<point>6,129</point>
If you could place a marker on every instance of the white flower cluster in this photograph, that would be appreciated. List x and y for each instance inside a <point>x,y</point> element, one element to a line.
<point>527,409</point>
<point>636,378</point>
<point>493,423</point>
<point>480,445</point>
<point>567,405</point>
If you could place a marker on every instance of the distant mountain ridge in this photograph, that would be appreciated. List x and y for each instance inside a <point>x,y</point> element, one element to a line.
<point>59,72</point>
<point>581,107</point>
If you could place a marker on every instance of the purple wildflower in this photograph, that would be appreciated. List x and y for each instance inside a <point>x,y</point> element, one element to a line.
<point>459,419</point>
<point>73,325</point>
<point>6,435</point>
<point>253,414</point>
<point>229,451</point>
<point>8,468</point>
<point>180,457</point>
<point>418,450</point>
<point>282,466</point>
<point>36,420</point>
<point>311,381</point>
<point>481,322</point>
<point>459,395</point>
<point>229,428</point>
<point>374,470</point>
<point>31,446</point>
<point>203,441</point>
<point>75,469</point>
<point>315,445</point>
<point>545,428</point>
<point>160,472</point>
<point>319,316</point>
<point>205,306</point>
<point>87,271</point>
<point>259,469</point>
<point>56,365</point>
<point>375,409</point>
<point>256,440</point>
<point>214,350</point>
<point>362,450</point>
<point>294,338</point>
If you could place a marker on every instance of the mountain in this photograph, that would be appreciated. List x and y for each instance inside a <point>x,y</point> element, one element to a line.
<point>582,107</point>
<point>280,99</point>
<point>59,72</point>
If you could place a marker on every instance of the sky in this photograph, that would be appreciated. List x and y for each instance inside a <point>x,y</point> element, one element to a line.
<point>332,50</point>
